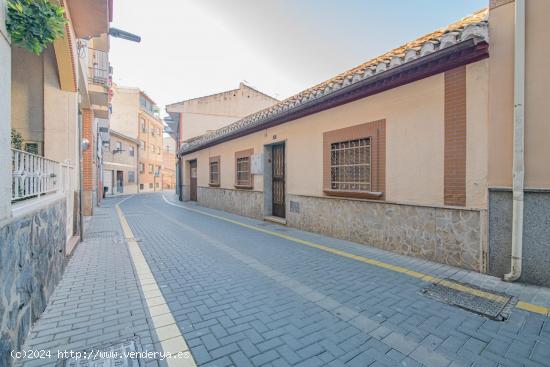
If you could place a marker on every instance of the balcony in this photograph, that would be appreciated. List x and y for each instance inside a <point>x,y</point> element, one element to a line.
<point>99,81</point>
<point>99,70</point>
<point>34,176</point>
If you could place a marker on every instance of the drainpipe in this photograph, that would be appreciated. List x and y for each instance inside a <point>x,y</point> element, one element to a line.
<point>518,169</point>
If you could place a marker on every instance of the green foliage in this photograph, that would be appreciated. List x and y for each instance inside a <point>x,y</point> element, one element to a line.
<point>34,24</point>
<point>16,139</point>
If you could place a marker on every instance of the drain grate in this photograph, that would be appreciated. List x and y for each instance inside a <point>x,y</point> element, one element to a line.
<point>121,354</point>
<point>101,234</point>
<point>494,305</point>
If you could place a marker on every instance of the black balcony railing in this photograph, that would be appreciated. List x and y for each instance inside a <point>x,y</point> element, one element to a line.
<point>98,67</point>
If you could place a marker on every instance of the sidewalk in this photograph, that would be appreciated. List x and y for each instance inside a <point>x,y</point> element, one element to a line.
<point>98,302</point>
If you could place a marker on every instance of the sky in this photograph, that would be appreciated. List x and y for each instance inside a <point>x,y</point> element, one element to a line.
<point>192,48</point>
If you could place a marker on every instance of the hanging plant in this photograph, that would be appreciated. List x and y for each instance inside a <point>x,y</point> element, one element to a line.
<point>16,139</point>
<point>34,24</point>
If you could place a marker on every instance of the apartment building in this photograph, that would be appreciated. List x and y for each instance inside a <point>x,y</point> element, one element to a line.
<point>50,105</point>
<point>135,115</point>
<point>412,151</point>
<point>120,165</point>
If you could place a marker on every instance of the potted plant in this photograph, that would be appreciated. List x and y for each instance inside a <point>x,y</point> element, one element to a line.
<point>34,24</point>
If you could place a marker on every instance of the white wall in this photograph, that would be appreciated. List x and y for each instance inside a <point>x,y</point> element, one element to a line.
<point>5,117</point>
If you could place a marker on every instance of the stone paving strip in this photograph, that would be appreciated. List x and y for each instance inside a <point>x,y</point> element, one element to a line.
<point>167,331</point>
<point>98,301</point>
<point>521,304</point>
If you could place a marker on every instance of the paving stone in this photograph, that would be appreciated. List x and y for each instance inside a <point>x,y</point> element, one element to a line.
<point>242,297</point>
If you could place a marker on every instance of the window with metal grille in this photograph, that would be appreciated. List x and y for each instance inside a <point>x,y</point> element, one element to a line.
<point>214,173</point>
<point>243,171</point>
<point>350,165</point>
<point>131,177</point>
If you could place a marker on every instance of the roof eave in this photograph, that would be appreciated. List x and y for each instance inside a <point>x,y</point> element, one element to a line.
<point>449,58</point>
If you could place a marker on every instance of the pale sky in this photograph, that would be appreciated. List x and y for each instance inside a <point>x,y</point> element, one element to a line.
<point>192,48</point>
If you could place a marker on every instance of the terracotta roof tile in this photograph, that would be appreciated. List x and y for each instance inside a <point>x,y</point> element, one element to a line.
<point>472,26</point>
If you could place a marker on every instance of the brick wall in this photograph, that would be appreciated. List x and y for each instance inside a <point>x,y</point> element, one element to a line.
<point>455,137</point>
<point>88,155</point>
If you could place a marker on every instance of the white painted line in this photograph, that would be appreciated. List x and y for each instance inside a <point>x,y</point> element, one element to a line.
<point>168,332</point>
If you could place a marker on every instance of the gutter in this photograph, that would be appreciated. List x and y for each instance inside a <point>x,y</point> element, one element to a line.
<point>446,59</point>
<point>518,169</point>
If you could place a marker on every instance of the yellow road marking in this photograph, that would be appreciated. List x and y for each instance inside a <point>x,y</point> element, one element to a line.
<point>168,333</point>
<point>399,269</point>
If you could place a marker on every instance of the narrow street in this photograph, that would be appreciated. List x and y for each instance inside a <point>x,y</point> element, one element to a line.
<point>247,293</point>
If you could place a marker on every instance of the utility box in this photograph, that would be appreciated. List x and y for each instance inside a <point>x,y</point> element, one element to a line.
<point>257,164</point>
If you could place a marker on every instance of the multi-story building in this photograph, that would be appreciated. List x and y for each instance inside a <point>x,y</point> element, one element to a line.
<point>120,162</point>
<point>168,172</point>
<point>197,116</point>
<point>52,103</point>
<point>150,133</point>
<point>135,115</point>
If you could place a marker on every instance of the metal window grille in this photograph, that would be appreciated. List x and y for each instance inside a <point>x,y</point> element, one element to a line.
<point>214,173</point>
<point>350,165</point>
<point>131,177</point>
<point>243,171</point>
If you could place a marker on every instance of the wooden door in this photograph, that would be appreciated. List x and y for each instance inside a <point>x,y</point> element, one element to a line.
<point>193,179</point>
<point>278,180</point>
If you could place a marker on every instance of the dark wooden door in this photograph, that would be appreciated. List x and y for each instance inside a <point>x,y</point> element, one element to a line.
<point>278,180</point>
<point>193,177</point>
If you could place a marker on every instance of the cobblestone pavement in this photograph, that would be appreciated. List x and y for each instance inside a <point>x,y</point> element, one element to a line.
<point>98,301</point>
<point>242,297</point>
<point>246,298</point>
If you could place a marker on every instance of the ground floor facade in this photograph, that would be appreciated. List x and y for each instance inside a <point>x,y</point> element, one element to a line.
<point>412,155</point>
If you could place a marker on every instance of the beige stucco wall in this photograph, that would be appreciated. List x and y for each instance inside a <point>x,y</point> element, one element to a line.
<point>60,116</point>
<point>125,104</point>
<point>202,114</point>
<point>537,92</point>
<point>5,115</point>
<point>414,116</point>
<point>27,95</point>
<point>537,89</point>
<point>477,98</point>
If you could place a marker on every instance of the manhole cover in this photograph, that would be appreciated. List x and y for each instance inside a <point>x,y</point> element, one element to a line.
<point>494,305</point>
<point>122,354</point>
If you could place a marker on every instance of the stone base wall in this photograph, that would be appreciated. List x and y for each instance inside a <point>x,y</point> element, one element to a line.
<point>536,235</point>
<point>242,202</point>
<point>185,192</point>
<point>446,235</point>
<point>32,254</point>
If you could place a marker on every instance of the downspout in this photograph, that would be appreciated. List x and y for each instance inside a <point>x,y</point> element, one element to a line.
<point>518,168</point>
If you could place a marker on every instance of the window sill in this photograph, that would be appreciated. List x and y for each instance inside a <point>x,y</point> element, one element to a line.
<point>356,194</point>
<point>213,185</point>
<point>244,187</point>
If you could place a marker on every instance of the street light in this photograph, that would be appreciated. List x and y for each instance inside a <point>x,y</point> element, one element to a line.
<point>119,33</point>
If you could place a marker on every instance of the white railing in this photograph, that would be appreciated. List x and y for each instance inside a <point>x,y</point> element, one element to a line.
<point>33,176</point>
